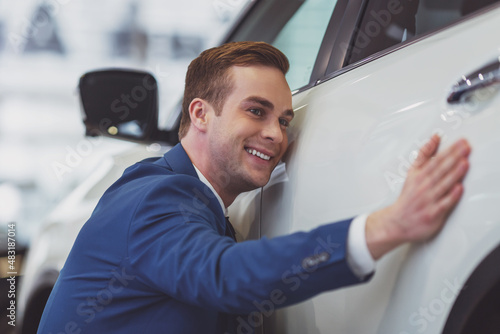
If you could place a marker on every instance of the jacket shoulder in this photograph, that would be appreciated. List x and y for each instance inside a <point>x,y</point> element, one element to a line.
<point>152,185</point>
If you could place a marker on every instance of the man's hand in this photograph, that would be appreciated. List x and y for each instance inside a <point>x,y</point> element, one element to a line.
<point>431,191</point>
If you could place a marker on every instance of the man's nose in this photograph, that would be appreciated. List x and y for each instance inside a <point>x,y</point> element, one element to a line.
<point>273,131</point>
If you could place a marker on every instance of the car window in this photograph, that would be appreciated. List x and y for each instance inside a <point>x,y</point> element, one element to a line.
<point>301,37</point>
<point>389,22</point>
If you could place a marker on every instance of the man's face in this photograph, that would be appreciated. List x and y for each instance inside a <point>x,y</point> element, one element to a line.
<point>248,138</point>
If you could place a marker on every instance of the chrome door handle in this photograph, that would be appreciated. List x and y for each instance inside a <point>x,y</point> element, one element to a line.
<point>486,77</point>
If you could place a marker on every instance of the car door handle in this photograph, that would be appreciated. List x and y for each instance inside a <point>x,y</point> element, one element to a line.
<point>486,77</point>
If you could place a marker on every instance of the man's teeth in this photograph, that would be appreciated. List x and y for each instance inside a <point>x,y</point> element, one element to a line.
<point>259,154</point>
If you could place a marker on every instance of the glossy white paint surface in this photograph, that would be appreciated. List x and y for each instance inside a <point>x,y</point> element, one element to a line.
<point>356,135</point>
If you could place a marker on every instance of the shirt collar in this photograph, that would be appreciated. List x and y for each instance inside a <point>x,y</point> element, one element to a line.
<point>209,185</point>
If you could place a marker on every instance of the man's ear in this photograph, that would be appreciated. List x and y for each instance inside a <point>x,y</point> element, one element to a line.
<point>199,113</point>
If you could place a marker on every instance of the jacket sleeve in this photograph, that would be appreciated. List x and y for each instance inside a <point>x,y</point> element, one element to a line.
<point>176,246</point>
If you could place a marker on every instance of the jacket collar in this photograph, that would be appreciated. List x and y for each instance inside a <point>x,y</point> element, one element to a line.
<point>179,161</point>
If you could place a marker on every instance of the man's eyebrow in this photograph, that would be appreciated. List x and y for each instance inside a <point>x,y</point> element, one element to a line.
<point>289,113</point>
<point>262,101</point>
<point>267,104</point>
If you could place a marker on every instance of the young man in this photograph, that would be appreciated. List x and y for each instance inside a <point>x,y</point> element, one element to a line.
<point>157,255</point>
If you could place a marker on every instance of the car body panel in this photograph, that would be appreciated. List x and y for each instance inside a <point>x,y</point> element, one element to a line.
<point>356,136</point>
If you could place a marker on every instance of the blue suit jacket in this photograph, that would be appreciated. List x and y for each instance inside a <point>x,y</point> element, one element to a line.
<point>153,258</point>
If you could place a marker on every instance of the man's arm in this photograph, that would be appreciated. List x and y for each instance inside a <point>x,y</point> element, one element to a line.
<point>431,191</point>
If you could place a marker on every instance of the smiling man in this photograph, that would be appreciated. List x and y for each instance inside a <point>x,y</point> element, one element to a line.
<point>159,256</point>
<point>247,137</point>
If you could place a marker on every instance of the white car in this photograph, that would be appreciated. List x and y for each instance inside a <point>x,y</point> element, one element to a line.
<point>372,81</point>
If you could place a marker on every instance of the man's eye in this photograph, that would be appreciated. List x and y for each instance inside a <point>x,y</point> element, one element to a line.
<point>257,112</point>
<point>284,122</point>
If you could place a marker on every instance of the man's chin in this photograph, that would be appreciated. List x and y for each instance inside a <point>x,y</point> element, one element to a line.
<point>256,183</point>
<point>262,182</point>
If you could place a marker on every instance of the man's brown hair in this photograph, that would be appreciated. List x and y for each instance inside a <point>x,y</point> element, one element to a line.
<point>207,76</point>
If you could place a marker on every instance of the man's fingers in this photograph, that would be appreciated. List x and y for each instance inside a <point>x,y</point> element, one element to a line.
<point>449,180</point>
<point>427,151</point>
<point>446,204</point>
<point>431,191</point>
<point>446,161</point>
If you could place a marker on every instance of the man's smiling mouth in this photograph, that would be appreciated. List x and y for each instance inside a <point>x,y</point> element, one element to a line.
<point>258,154</point>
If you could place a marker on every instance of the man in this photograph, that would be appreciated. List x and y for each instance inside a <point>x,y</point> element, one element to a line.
<point>157,255</point>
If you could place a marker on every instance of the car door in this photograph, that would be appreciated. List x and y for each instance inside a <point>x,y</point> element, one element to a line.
<point>433,69</point>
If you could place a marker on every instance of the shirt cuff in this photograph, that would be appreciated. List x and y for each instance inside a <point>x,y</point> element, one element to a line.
<point>359,258</point>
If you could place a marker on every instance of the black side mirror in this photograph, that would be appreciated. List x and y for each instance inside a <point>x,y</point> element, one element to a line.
<point>122,104</point>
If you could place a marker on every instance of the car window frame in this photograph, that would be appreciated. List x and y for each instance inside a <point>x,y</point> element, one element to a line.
<point>336,65</point>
